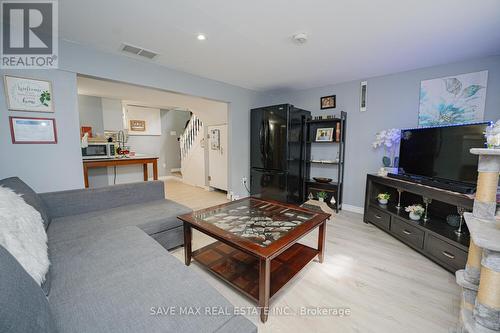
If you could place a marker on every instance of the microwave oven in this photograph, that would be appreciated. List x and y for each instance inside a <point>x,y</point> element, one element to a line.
<point>98,150</point>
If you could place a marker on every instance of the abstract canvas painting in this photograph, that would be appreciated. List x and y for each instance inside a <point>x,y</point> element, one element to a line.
<point>451,100</point>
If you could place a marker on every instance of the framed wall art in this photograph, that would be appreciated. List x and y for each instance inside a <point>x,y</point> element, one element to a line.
<point>138,125</point>
<point>328,102</point>
<point>457,99</point>
<point>33,130</point>
<point>24,94</point>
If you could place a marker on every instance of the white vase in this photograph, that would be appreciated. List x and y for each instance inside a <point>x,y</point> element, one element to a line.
<point>382,201</point>
<point>321,199</point>
<point>414,216</point>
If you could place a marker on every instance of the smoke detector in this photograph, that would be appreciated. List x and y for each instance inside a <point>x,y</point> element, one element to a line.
<point>138,51</point>
<point>300,38</point>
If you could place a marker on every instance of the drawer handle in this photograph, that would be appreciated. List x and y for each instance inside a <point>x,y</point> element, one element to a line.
<point>378,216</point>
<point>406,232</point>
<point>449,255</point>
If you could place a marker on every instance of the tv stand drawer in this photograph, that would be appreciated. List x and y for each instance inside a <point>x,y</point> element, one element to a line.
<point>445,253</point>
<point>408,233</point>
<point>379,218</point>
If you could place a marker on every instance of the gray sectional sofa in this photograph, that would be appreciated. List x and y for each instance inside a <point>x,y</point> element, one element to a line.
<point>110,270</point>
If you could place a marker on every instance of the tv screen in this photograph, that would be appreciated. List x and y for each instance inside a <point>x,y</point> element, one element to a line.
<point>442,152</point>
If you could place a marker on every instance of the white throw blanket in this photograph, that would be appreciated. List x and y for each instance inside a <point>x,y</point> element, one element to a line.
<point>23,235</point>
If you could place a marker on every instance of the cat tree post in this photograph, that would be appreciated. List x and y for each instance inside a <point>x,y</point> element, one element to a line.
<point>480,306</point>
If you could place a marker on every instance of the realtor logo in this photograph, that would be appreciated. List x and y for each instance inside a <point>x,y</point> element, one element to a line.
<point>29,34</point>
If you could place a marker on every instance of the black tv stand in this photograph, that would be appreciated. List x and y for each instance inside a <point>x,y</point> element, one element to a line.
<point>434,238</point>
<point>444,184</point>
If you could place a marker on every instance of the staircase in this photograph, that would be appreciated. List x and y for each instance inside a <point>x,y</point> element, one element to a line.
<point>193,153</point>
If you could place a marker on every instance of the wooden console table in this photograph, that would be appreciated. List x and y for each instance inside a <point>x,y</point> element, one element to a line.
<point>98,163</point>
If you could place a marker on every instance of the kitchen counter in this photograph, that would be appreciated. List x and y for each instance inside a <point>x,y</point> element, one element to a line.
<point>119,161</point>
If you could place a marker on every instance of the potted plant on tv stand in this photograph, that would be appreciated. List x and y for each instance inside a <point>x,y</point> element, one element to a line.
<point>383,198</point>
<point>389,139</point>
<point>416,212</point>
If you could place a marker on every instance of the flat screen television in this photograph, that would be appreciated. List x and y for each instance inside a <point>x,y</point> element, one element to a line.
<point>442,152</point>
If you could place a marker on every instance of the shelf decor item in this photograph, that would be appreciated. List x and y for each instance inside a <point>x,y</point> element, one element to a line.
<point>389,139</point>
<point>322,196</point>
<point>33,130</point>
<point>25,94</point>
<point>400,191</point>
<point>328,102</point>
<point>415,211</point>
<point>322,180</point>
<point>453,220</point>
<point>324,135</point>
<point>383,198</point>
<point>492,135</point>
<point>427,201</point>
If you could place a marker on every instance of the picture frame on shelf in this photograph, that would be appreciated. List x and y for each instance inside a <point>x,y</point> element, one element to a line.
<point>26,94</point>
<point>324,134</point>
<point>28,130</point>
<point>328,102</point>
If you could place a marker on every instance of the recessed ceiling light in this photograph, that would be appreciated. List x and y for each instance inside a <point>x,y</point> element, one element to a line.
<point>201,37</point>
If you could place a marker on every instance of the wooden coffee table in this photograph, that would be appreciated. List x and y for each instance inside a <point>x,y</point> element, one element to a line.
<point>256,249</point>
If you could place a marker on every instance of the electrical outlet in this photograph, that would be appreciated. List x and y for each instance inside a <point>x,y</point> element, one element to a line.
<point>244,180</point>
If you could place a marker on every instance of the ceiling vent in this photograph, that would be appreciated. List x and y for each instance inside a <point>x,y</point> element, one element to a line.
<point>139,51</point>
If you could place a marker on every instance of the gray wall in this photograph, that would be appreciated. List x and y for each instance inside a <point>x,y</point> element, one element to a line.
<point>90,113</point>
<point>45,167</point>
<point>392,101</point>
<point>173,121</point>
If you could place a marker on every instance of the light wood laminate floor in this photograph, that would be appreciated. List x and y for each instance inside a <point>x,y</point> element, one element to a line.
<point>386,286</point>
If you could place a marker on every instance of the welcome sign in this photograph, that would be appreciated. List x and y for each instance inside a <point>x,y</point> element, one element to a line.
<point>25,94</point>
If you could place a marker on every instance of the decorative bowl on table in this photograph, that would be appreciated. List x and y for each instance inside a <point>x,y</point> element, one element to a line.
<point>322,180</point>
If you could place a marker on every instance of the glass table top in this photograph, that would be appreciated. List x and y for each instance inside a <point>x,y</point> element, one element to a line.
<point>257,221</point>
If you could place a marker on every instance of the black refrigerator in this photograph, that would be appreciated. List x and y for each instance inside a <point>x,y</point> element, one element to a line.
<point>278,151</point>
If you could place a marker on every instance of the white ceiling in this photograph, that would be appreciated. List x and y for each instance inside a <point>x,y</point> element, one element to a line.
<point>249,42</point>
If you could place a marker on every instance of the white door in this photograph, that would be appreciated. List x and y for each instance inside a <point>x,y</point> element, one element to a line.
<point>217,156</point>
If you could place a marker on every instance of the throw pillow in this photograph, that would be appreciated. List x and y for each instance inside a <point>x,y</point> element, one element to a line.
<point>30,196</point>
<point>22,233</point>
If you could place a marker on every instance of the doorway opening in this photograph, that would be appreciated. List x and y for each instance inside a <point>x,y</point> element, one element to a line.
<point>187,134</point>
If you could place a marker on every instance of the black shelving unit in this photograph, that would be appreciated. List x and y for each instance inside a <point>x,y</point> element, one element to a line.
<point>334,188</point>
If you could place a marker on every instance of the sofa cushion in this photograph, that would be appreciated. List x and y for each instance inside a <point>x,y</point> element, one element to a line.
<point>23,305</point>
<point>31,198</point>
<point>116,282</point>
<point>23,235</point>
<point>152,217</point>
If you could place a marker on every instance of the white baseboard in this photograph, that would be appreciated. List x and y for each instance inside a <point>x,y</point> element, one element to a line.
<point>175,170</point>
<point>354,209</point>
<point>159,178</point>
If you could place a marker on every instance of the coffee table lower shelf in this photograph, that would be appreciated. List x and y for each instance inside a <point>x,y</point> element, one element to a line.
<point>241,270</point>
